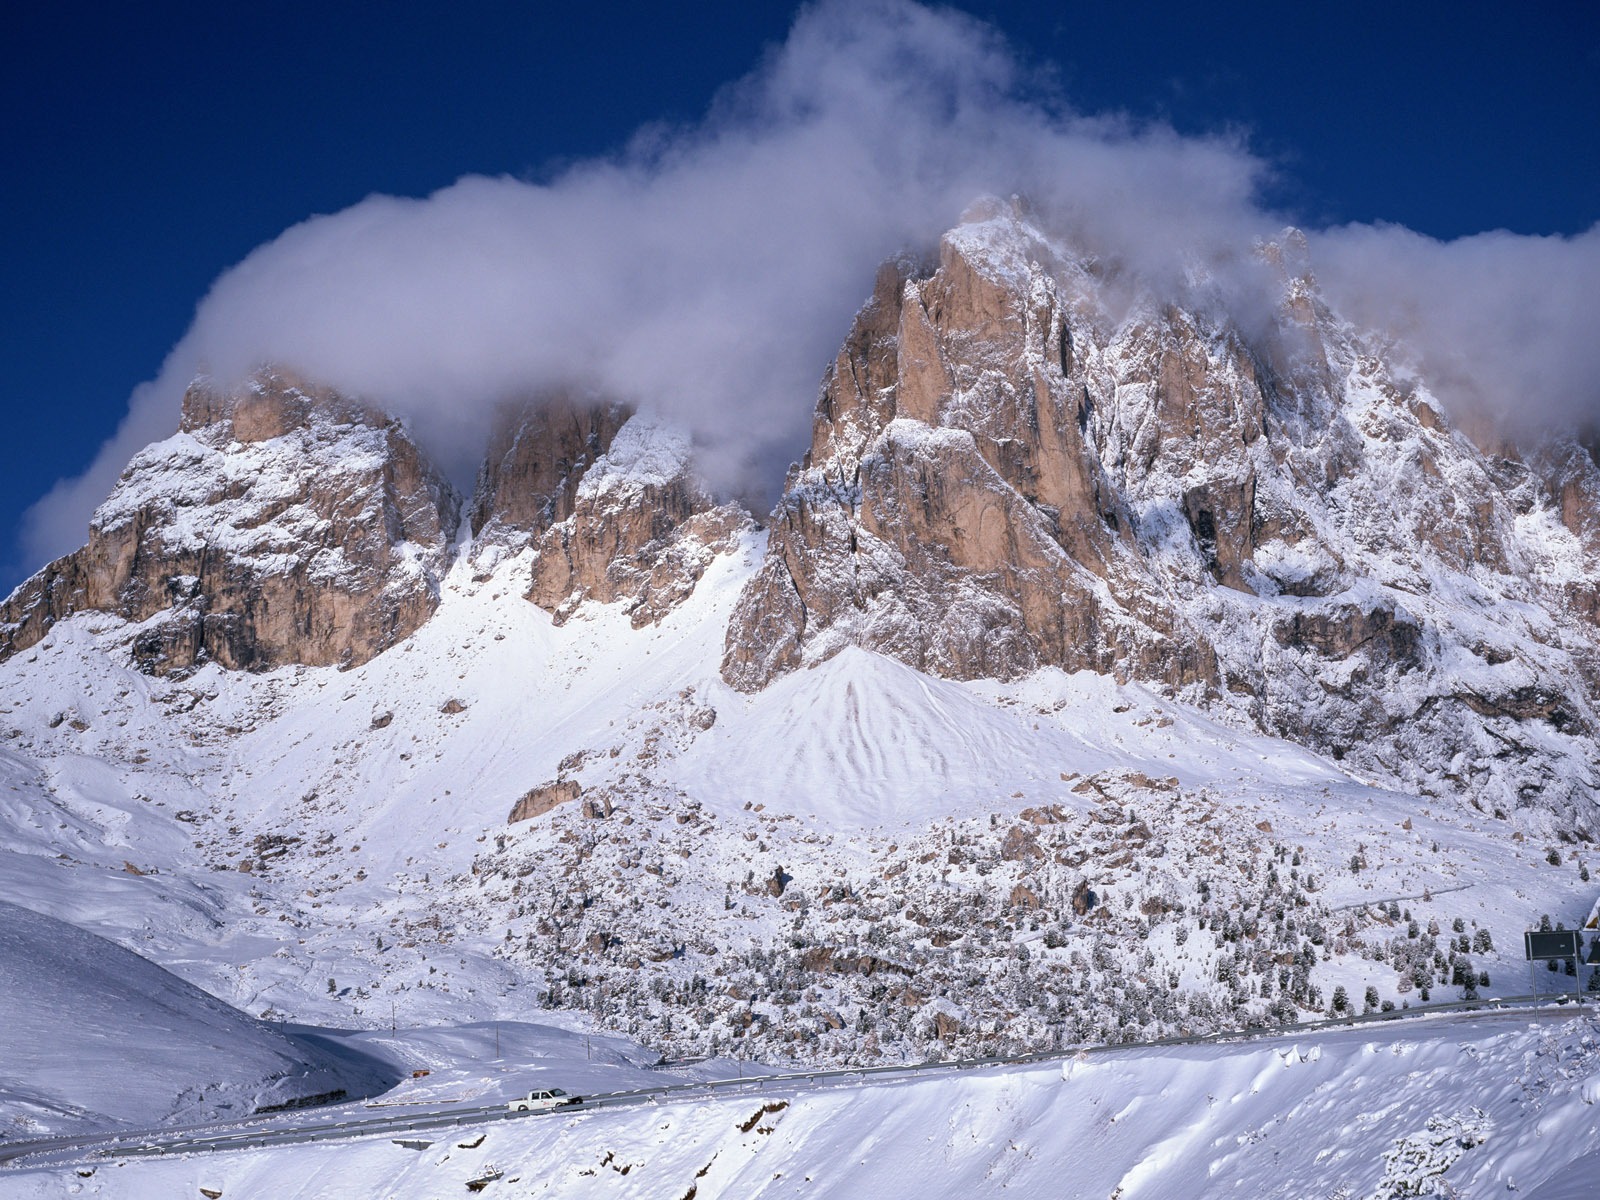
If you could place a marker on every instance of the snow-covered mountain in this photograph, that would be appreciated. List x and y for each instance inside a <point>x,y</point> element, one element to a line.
<point>1111,666</point>
<point>281,523</point>
<point>1022,460</point>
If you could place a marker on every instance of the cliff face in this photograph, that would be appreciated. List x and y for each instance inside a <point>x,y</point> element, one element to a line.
<point>1023,459</point>
<point>955,509</point>
<point>282,523</point>
<point>642,529</point>
<point>608,502</point>
<point>537,456</point>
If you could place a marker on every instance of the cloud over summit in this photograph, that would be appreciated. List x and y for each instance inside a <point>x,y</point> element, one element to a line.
<point>711,270</point>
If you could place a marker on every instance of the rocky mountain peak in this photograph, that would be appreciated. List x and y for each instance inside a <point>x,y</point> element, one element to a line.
<point>1023,457</point>
<point>282,523</point>
<point>642,529</point>
<point>269,404</point>
<point>952,510</point>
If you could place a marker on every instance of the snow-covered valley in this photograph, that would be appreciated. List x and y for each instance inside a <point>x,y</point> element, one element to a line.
<point>1102,676</point>
<point>859,864</point>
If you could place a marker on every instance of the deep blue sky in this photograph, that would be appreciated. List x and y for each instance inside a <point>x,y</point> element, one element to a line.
<point>146,148</point>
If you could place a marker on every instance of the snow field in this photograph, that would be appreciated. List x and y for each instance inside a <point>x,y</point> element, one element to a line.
<point>94,1035</point>
<point>1489,1104</point>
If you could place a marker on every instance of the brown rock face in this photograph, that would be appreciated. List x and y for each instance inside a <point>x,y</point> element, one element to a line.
<point>639,530</point>
<point>542,799</point>
<point>638,555</point>
<point>283,523</point>
<point>537,455</point>
<point>610,504</point>
<point>953,513</point>
<point>1022,458</point>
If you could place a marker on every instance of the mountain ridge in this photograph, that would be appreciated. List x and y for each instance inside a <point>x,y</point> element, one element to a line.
<point>1082,686</point>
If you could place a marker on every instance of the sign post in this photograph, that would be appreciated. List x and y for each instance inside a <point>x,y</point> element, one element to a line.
<point>1549,944</point>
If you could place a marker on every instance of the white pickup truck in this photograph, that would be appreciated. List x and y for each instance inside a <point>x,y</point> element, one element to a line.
<point>543,1099</point>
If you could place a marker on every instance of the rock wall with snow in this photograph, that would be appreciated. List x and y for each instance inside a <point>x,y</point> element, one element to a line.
<point>281,523</point>
<point>537,455</point>
<point>642,530</point>
<point>608,502</point>
<point>1024,458</point>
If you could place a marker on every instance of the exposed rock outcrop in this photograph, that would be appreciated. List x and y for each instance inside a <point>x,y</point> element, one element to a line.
<point>953,511</point>
<point>538,453</point>
<point>1024,457</point>
<point>282,523</point>
<point>642,530</point>
<point>609,503</point>
<point>540,800</point>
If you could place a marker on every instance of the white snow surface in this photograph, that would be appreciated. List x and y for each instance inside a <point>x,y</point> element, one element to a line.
<point>645,452</point>
<point>93,1035</point>
<point>1479,1106</point>
<point>385,888</point>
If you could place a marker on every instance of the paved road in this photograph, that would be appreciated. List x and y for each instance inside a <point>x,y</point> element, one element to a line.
<point>280,1129</point>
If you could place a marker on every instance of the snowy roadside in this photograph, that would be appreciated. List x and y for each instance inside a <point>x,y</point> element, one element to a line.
<point>1495,1103</point>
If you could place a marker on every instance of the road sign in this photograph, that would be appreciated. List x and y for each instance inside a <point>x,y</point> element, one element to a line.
<point>1555,943</point>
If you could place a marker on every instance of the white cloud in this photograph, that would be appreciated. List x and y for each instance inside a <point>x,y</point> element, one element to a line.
<point>1499,323</point>
<point>712,270</point>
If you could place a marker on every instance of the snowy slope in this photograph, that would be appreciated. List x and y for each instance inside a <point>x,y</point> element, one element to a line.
<point>1485,1105</point>
<point>93,1035</point>
<point>331,845</point>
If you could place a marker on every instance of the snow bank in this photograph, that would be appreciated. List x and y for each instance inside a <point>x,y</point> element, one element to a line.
<point>93,1035</point>
<point>1483,1105</point>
